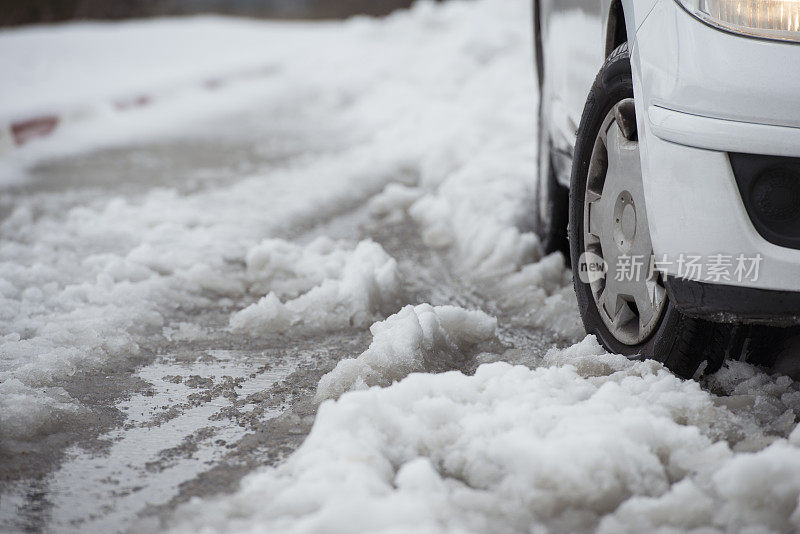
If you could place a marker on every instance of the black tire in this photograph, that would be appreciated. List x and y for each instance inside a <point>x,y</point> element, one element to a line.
<point>681,343</point>
<point>551,206</point>
<point>765,343</point>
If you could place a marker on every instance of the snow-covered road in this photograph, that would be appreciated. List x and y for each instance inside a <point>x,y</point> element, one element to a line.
<point>333,249</point>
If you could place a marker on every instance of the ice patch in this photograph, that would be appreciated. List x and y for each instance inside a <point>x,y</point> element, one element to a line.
<point>325,286</point>
<point>594,441</point>
<point>419,338</point>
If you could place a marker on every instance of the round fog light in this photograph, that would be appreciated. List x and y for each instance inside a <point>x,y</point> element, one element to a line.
<point>776,194</point>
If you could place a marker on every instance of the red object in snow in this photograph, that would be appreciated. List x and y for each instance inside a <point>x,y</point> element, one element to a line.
<point>24,131</point>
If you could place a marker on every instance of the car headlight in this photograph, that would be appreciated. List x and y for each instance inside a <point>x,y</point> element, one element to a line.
<point>769,19</point>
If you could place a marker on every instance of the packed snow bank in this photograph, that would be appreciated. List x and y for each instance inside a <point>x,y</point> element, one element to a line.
<point>419,338</point>
<point>325,286</point>
<point>589,441</point>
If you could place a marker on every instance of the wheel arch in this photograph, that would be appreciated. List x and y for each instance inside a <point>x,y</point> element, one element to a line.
<point>616,29</point>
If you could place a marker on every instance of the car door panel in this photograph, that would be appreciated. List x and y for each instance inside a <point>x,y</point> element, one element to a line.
<point>572,38</point>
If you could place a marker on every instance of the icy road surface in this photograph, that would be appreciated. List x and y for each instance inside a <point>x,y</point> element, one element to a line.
<point>334,251</point>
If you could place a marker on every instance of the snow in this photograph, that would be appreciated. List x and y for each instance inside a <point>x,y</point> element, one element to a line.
<point>25,412</point>
<point>83,289</point>
<point>419,338</point>
<point>586,442</point>
<point>184,331</point>
<point>73,68</point>
<point>540,295</point>
<point>430,117</point>
<point>326,286</point>
<point>80,291</point>
<point>392,204</point>
<point>476,214</point>
<point>455,126</point>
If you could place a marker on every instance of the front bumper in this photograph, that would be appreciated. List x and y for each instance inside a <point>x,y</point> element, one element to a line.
<point>695,209</point>
<point>723,135</point>
<point>702,93</point>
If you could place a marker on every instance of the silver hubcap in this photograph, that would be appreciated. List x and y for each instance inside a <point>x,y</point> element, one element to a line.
<point>631,297</point>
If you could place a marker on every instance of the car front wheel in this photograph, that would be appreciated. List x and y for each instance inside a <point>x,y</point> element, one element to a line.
<point>621,295</point>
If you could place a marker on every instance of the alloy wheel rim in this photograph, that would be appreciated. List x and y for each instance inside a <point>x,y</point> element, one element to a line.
<point>631,296</point>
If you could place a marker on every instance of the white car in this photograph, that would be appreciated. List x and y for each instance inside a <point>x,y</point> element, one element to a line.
<point>670,172</point>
